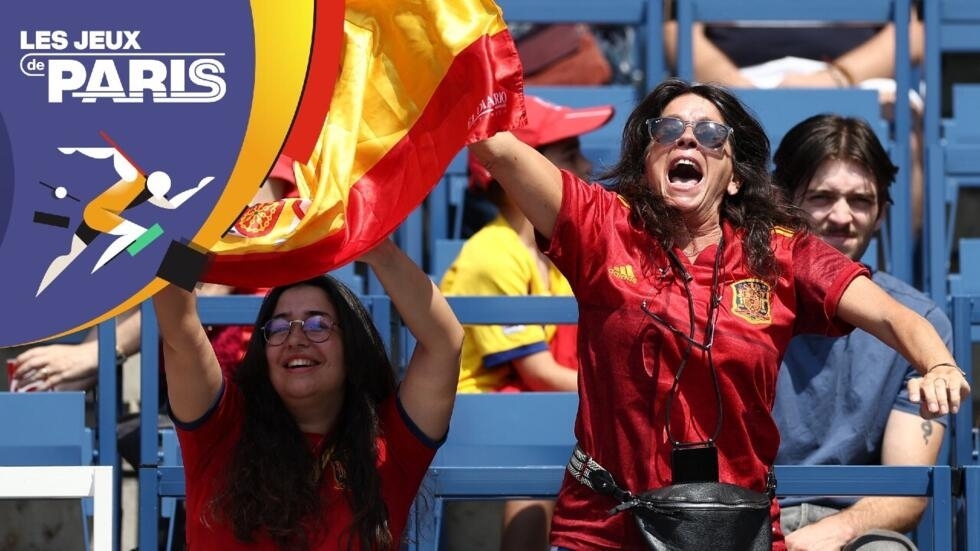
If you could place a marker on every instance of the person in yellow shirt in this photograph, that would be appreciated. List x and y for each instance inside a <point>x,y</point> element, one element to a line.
<point>502,259</point>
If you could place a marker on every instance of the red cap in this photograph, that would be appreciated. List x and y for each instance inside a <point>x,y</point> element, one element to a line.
<point>283,170</point>
<point>548,123</point>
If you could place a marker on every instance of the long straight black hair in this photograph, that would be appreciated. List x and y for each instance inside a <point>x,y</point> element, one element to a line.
<point>269,484</point>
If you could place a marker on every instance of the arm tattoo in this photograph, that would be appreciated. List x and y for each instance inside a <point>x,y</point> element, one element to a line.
<point>926,431</point>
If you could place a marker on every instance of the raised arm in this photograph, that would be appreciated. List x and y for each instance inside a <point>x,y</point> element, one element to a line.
<point>529,179</point>
<point>429,389</point>
<point>943,385</point>
<point>192,370</point>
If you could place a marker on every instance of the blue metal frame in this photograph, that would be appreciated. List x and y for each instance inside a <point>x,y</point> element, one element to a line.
<point>971,512</point>
<point>966,330</point>
<point>107,416</point>
<point>950,26</point>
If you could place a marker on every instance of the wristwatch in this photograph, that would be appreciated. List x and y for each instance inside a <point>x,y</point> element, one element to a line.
<point>120,355</point>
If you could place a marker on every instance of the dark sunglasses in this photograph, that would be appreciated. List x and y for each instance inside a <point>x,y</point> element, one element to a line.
<point>667,130</point>
<point>316,328</point>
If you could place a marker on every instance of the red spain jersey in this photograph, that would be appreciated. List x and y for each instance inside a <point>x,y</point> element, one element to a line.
<point>628,360</point>
<point>404,455</point>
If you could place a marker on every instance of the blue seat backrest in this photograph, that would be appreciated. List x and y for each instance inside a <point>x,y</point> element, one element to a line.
<point>967,281</point>
<point>953,162</point>
<point>780,109</point>
<point>443,255</point>
<point>956,25</point>
<point>965,315</point>
<point>44,428</point>
<point>510,429</point>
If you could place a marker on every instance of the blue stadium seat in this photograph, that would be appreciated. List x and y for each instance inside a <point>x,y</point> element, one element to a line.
<point>46,429</point>
<point>499,445</point>
<point>965,316</point>
<point>444,253</point>
<point>951,27</point>
<point>952,162</point>
<point>971,511</point>
<point>965,436</point>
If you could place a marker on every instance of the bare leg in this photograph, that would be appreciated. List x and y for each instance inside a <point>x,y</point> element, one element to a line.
<point>916,174</point>
<point>527,525</point>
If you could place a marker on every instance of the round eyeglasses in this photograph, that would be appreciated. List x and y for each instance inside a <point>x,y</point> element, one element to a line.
<point>667,130</point>
<point>316,328</point>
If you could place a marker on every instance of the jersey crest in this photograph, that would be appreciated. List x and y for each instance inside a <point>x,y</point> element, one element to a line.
<point>751,301</point>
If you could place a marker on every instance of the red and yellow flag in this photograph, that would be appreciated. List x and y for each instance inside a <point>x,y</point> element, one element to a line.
<point>419,80</point>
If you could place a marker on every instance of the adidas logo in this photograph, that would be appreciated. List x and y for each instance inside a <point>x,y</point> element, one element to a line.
<point>623,272</point>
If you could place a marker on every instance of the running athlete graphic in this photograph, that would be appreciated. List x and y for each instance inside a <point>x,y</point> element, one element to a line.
<point>103,214</point>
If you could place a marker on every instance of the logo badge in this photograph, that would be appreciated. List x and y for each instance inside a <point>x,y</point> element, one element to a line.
<point>623,272</point>
<point>751,301</point>
<point>131,136</point>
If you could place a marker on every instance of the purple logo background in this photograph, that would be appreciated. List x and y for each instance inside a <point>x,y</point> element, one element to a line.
<point>187,141</point>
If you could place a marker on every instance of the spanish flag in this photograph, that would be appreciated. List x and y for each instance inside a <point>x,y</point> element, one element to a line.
<point>419,80</point>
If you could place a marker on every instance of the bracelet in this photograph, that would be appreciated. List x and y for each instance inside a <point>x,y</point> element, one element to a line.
<point>844,73</point>
<point>838,78</point>
<point>947,364</point>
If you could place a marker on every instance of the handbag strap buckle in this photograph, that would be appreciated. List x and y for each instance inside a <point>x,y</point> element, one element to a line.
<point>587,471</point>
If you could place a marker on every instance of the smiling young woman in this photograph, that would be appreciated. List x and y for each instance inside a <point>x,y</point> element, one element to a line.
<point>310,444</point>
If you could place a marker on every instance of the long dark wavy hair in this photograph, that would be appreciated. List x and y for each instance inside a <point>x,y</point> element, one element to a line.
<point>269,485</point>
<point>757,207</point>
<point>828,136</point>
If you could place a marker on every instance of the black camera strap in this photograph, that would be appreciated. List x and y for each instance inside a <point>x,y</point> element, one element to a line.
<point>689,338</point>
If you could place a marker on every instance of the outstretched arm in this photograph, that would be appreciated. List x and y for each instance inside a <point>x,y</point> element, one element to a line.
<point>192,370</point>
<point>429,389</point>
<point>529,179</point>
<point>943,386</point>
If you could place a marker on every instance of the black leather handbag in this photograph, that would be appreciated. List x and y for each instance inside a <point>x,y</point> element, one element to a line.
<point>689,516</point>
<point>703,516</point>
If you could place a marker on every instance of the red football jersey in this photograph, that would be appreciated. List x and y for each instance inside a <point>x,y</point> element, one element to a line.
<point>206,447</point>
<point>628,360</point>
